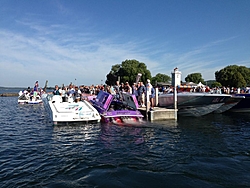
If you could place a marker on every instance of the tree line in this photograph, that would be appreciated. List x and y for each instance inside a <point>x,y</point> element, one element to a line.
<point>127,71</point>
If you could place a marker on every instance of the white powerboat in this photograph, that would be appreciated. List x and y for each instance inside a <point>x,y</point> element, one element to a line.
<point>65,112</point>
<point>193,103</point>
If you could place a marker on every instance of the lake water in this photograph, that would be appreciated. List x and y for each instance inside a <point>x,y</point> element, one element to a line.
<point>210,151</point>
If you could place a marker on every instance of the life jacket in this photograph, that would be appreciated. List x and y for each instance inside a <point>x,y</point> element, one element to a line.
<point>56,92</point>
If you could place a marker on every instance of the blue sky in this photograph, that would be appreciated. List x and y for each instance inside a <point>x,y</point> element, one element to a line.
<point>78,41</point>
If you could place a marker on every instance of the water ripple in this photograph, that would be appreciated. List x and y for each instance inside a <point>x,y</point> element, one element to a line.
<point>211,151</point>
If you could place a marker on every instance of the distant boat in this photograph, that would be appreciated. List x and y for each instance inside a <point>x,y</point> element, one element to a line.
<point>193,103</point>
<point>243,105</point>
<point>25,98</point>
<point>69,111</point>
<point>113,110</point>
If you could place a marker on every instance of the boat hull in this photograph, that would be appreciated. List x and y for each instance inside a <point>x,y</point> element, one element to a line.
<point>121,116</point>
<point>243,105</point>
<point>64,112</point>
<point>229,103</point>
<point>193,104</point>
<point>39,101</point>
<point>117,111</point>
<point>25,99</point>
<point>198,110</point>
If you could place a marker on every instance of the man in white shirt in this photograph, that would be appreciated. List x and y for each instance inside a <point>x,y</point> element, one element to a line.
<point>151,92</point>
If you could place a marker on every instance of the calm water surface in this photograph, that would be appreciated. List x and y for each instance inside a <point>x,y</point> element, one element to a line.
<point>211,151</point>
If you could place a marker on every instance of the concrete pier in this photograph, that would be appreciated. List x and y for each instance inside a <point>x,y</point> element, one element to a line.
<point>159,113</point>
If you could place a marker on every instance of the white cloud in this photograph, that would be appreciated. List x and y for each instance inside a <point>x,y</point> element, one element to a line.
<point>60,61</point>
<point>60,54</point>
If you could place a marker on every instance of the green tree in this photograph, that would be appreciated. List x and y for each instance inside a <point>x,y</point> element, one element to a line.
<point>233,76</point>
<point>127,72</point>
<point>238,80</point>
<point>160,78</point>
<point>195,77</point>
<point>216,84</point>
<point>112,76</point>
<point>111,79</point>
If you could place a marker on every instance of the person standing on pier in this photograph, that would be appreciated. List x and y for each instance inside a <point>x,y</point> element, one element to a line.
<point>141,94</point>
<point>150,91</point>
<point>135,90</point>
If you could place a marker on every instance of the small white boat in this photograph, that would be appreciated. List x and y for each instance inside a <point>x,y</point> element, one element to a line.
<point>25,98</point>
<point>65,112</point>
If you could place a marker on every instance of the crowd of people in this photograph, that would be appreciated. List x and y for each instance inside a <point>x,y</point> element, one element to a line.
<point>138,89</point>
<point>31,93</point>
<point>78,93</point>
<point>82,92</point>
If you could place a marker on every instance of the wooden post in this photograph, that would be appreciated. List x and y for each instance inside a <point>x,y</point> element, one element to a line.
<point>147,104</point>
<point>175,102</point>
<point>156,96</point>
<point>45,87</point>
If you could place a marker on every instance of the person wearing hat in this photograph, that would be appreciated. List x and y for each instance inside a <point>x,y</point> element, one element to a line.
<point>151,92</point>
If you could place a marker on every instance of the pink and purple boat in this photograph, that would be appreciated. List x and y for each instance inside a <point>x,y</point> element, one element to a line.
<point>122,110</point>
